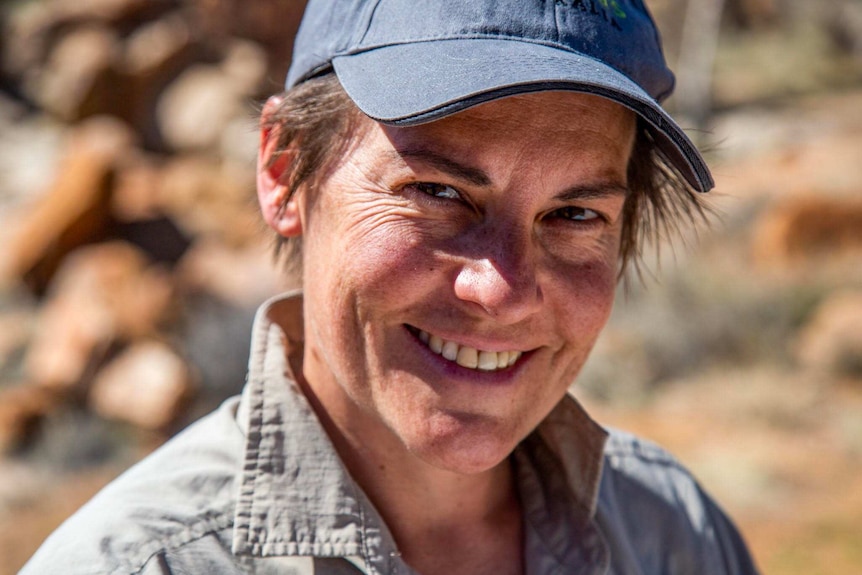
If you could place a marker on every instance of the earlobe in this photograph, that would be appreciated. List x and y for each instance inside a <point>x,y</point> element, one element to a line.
<point>281,213</point>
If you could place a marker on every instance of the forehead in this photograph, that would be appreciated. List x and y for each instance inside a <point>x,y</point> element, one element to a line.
<point>549,110</point>
<point>550,128</point>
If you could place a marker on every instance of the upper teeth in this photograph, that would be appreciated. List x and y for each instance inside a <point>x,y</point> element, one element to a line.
<point>469,356</point>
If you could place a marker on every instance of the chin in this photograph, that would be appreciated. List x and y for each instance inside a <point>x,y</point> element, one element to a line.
<point>464,447</point>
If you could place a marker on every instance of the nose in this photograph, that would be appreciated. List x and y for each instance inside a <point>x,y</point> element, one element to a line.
<point>500,281</point>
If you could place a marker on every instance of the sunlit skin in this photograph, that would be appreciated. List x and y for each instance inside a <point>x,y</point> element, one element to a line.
<point>497,228</point>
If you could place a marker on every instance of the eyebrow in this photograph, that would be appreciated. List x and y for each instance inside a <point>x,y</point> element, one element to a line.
<point>593,191</point>
<point>477,177</point>
<point>469,174</point>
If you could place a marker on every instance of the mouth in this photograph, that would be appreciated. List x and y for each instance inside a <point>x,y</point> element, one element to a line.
<point>466,356</point>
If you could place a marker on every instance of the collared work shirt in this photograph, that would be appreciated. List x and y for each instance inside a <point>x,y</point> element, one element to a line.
<point>257,488</point>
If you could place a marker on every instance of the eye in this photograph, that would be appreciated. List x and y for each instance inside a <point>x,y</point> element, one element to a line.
<point>437,190</point>
<point>575,213</point>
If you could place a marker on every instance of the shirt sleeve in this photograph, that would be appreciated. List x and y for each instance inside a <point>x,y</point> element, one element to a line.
<point>730,544</point>
<point>658,520</point>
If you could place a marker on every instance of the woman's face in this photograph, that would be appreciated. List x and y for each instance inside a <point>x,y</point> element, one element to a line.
<point>458,273</point>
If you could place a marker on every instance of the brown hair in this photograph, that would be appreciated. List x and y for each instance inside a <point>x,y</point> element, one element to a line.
<point>318,123</point>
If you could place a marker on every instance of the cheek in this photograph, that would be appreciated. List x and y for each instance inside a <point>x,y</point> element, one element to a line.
<point>372,267</point>
<point>584,299</point>
<point>387,261</point>
<point>584,276</point>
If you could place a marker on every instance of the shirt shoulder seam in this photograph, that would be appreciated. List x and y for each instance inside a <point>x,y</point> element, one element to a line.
<point>200,529</point>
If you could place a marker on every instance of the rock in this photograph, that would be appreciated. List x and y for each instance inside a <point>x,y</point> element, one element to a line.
<point>211,199</point>
<point>243,276</point>
<point>15,329</point>
<point>80,78</point>
<point>30,151</point>
<point>832,340</point>
<point>121,14</point>
<point>27,37</point>
<point>140,218</point>
<point>158,48</point>
<point>76,208</point>
<point>148,385</point>
<point>194,110</point>
<point>245,64</point>
<point>271,23</point>
<point>806,228</point>
<point>103,294</point>
<point>155,55</point>
<point>136,189</point>
<point>118,277</point>
<point>22,407</point>
<point>34,28</point>
<point>239,143</point>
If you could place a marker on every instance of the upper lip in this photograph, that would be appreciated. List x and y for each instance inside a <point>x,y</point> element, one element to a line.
<point>482,343</point>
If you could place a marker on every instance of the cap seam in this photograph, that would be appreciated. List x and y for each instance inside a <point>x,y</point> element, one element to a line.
<point>369,19</point>
<point>549,44</point>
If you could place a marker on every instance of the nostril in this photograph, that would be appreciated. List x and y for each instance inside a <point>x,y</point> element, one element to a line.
<point>506,295</point>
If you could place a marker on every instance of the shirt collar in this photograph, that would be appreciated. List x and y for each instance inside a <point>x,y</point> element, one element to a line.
<point>297,498</point>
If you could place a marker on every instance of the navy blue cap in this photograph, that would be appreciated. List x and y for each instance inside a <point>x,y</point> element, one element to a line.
<point>406,62</point>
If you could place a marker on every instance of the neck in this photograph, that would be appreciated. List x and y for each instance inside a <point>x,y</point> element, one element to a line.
<point>442,521</point>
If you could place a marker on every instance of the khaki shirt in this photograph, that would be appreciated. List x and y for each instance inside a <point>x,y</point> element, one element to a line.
<point>257,488</point>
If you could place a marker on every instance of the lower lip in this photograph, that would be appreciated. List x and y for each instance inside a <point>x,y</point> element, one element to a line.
<point>454,371</point>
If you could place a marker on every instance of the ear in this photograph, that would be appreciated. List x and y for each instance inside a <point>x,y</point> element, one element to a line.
<point>285,217</point>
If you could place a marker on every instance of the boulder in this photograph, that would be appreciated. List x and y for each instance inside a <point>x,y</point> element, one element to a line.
<point>35,28</point>
<point>103,295</point>
<point>211,199</point>
<point>147,385</point>
<point>158,48</point>
<point>139,217</point>
<point>22,407</point>
<point>121,14</point>
<point>74,210</point>
<point>242,276</point>
<point>271,23</point>
<point>245,64</point>
<point>154,55</point>
<point>135,193</point>
<point>30,150</point>
<point>28,35</point>
<point>80,77</point>
<point>194,110</point>
<point>15,328</point>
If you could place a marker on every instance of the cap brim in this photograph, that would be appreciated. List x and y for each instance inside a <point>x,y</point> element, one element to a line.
<point>448,76</point>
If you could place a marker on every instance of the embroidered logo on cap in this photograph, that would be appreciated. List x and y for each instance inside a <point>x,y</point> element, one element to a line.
<point>609,10</point>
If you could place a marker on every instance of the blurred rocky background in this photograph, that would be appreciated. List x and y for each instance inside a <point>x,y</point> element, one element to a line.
<point>132,257</point>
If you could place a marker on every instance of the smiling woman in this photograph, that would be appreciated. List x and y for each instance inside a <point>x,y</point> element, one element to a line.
<point>467,191</point>
<point>491,267</point>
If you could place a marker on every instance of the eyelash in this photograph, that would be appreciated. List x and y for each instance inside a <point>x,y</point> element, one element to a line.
<point>425,188</point>
<point>566,213</point>
<point>429,189</point>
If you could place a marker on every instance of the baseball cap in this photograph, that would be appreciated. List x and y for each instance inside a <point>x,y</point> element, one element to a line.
<point>407,62</point>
